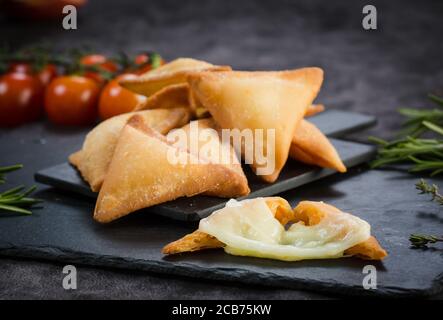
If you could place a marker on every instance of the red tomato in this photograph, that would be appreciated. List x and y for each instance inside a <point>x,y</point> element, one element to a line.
<point>21,98</point>
<point>72,100</point>
<point>143,61</point>
<point>98,60</point>
<point>115,99</point>
<point>20,67</point>
<point>45,75</point>
<point>48,73</point>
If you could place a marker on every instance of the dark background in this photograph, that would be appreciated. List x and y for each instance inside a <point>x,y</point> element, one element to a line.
<point>366,71</point>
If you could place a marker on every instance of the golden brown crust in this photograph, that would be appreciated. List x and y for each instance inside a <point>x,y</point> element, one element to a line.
<point>76,158</point>
<point>229,188</point>
<point>99,144</point>
<point>172,96</point>
<point>242,100</point>
<point>174,72</point>
<point>311,146</point>
<point>195,241</point>
<point>313,109</point>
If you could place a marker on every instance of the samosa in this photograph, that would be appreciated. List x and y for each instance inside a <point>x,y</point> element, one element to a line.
<point>274,102</point>
<point>93,159</point>
<point>142,173</point>
<point>174,72</point>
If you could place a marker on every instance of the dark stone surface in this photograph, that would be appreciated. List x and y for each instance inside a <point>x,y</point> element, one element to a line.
<point>366,71</point>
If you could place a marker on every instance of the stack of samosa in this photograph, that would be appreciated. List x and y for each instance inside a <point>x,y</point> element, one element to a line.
<point>126,158</point>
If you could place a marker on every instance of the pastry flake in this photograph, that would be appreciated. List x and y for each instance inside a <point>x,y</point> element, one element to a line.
<point>93,159</point>
<point>318,231</point>
<point>174,72</point>
<point>272,101</point>
<point>140,174</point>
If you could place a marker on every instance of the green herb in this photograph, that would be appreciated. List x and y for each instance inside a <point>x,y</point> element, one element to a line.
<point>422,240</point>
<point>16,199</point>
<point>425,188</point>
<point>422,154</point>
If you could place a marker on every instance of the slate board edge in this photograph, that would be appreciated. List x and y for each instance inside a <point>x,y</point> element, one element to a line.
<point>232,275</point>
<point>283,186</point>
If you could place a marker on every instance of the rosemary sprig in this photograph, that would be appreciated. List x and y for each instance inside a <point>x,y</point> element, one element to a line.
<point>16,199</point>
<point>422,154</point>
<point>425,188</point>
<point>422,240</point>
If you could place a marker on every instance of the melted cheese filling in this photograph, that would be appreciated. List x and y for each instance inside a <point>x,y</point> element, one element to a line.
<point>248,228</point>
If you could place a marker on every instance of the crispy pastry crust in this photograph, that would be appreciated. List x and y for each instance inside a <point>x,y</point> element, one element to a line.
<point>141,175</point>
<point>174,72</point>
<point>242,100</point>
<point>313,109</point>
<point>99,145</point>
<point>311,146</point>
<point>172,96</point>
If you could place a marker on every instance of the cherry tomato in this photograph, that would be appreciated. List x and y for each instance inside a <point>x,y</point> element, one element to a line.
<point>21,98</point>
<point>72,100</point>
<point>115,99</point>
<point>20,67</point>
<point>40,10</point>
<point>98,60</point>
<point>45,75</point>
<point>143,60</point>
<point>48,73</point>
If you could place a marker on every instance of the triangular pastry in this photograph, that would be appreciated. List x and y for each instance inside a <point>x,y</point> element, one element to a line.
<point>272,101</point>
<point>172,96</point>
<point>93,159</point>
<point>142,173</point>
<point>174,72</point>
<point>203,135</point>
<point>309,145</point>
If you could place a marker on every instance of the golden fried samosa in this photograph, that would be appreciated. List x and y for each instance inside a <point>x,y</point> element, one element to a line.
<point>93,159</point>
<point>174,72</point>
<point>309,145</point>
<point>272,101</point>
<point>143,173</point>
<point>202,137</point>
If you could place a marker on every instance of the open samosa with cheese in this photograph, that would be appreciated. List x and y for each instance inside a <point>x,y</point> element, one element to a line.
<point>98,148</point>
<point>269,104</point>
<point>269,228</point>
<point>172,73</point>
<point>146,169</point>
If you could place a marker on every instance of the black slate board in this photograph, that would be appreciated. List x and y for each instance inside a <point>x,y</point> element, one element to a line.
<point>65,232</point>
<point>332,123</point>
